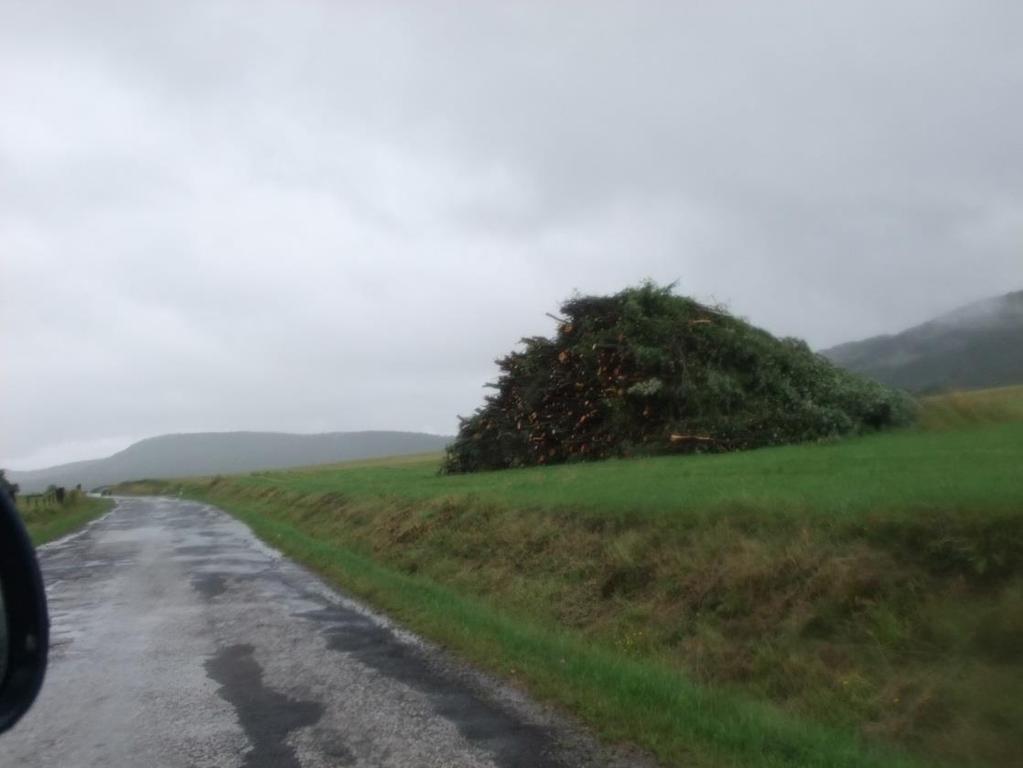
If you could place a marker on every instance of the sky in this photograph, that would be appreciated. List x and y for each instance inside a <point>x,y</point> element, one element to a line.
<point>316,216</point>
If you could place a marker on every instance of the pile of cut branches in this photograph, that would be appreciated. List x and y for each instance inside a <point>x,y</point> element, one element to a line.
<point>646,371</point>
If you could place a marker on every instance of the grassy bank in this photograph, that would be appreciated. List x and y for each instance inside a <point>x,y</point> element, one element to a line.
<point>811,605</point>
<point>47,519</point>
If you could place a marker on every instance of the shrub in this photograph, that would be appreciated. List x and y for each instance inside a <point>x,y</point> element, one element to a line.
<point>646,371</point>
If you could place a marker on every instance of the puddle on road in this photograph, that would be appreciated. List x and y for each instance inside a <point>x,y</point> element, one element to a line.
<point>209,585</point>
<point>266,716</point>
<point>509,740</point>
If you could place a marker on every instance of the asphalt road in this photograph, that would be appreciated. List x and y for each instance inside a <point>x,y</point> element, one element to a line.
<point>180,640</point>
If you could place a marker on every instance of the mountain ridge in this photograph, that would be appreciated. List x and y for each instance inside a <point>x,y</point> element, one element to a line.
<point>205,453</point>
<point>974,346</point>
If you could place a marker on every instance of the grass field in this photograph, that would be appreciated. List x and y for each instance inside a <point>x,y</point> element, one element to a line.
<point>903,471</point>
<point>47,520</point>
<point>845,604</point>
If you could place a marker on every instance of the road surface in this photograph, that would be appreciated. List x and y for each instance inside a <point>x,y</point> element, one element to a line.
<point>180,640</point>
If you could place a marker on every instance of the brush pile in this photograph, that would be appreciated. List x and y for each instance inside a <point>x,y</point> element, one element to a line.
<point>645,372</point>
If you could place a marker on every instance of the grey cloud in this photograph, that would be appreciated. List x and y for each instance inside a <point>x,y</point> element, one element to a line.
<point>334,216</point>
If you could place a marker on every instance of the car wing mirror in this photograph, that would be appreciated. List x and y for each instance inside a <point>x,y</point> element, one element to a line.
<point>24,624</point>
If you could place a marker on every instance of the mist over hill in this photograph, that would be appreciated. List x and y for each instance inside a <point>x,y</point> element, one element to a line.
<point>979,345</point>
<point>226,452</point>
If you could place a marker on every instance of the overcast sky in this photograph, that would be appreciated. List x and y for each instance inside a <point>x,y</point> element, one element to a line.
<point>318,216</point>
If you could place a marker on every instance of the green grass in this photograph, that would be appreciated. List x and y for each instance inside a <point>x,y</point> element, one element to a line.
<point>966,409</point>
<point>908,470</point>
<point>47,520</point>
<point>854,603</point>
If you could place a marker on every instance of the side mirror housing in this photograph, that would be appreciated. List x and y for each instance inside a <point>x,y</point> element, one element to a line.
<point>25,627</point>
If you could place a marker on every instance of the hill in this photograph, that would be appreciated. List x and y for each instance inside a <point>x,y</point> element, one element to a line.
<point>974,347</point>
<point>208,453</point>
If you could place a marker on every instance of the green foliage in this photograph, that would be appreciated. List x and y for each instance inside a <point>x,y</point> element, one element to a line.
<point>645,372</point>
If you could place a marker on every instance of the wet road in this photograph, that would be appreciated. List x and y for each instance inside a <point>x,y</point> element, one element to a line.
<point>180,640</point>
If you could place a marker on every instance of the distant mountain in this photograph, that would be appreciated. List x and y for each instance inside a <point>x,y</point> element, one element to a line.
<point>211,453</point>
<point>976,346</point>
